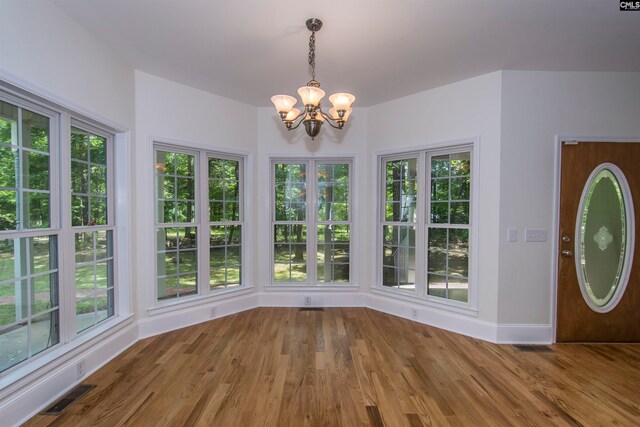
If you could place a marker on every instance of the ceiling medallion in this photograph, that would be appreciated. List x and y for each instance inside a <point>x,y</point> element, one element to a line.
<point>312,115</point>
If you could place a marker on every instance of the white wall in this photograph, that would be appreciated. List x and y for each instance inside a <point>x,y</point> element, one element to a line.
<point>43,46</point>
<point>274,140</point>
<point>536,106</point>
<point>168,111</point>
<point>465,109</point>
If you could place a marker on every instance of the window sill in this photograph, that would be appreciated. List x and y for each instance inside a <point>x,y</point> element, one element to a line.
<point>443,305</point>
<point>196,300</point>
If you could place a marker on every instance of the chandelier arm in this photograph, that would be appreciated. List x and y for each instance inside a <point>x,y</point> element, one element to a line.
<point>328,117</point>
<point>299,123</point>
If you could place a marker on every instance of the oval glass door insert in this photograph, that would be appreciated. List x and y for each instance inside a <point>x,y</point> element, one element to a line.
<point>604,238</point>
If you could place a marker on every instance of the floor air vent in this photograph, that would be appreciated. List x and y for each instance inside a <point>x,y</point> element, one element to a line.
<point>534,348</point>
<point>311,308</point>
<point>68,399</point>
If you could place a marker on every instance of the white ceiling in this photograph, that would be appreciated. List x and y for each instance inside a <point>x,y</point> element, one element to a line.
<point>377,50</point>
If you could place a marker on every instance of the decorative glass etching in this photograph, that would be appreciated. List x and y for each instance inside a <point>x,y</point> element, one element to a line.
<point>603,238</point>
<point>603,243</point>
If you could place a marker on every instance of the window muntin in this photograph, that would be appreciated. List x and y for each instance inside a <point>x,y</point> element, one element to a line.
<point>225,225</point>
<point>311,221</point>
<point>177,224</point>
<point>448,226</point>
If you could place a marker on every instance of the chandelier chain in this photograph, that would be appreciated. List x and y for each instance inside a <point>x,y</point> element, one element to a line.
<point>312,54</point>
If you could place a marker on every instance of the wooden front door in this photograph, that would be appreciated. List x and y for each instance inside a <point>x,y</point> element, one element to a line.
<point>597,230</point>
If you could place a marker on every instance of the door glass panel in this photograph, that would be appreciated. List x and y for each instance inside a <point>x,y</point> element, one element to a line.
<point>603,241</point>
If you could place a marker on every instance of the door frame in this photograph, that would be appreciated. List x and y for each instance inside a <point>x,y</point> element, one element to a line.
<point>559,139</point>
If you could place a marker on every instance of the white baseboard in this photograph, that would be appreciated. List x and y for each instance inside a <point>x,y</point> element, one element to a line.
<point>465,325</point>
<point>161,323</point>
<point>317,299</point>
<point>524,334</point>
<point>48,387</point>
<point>461,324</point>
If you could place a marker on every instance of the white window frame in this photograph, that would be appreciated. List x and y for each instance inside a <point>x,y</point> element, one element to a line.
<point>61,113</point>
<point>312,221</point>
<point>202,222</point>
<point>424,153</point>
<point>69,241</point>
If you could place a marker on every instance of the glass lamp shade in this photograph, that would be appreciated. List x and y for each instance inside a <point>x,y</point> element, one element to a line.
<point>292,115</point>
<point>311,95</point>
<point>283,103</point>
<point>342,101</point>
<point>334,114</point>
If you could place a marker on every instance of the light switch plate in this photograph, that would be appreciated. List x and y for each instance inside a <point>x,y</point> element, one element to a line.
<point>512,235</point>
<point>535,235</point>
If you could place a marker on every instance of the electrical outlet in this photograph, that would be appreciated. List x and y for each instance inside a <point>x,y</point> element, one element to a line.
<point>80,369</point>
<point>307,301</point>
<point>512,235</point>
<point>212,312</point>
<point>414,313</point>
<point>535,235</point>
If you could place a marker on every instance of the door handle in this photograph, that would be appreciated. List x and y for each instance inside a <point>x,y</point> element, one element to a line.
<point>566,253</point>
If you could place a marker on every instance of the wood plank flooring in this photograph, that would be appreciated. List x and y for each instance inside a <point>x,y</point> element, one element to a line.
<point>353,367</point>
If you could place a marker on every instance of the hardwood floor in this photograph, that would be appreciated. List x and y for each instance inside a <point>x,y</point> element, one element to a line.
<point>351,367</point>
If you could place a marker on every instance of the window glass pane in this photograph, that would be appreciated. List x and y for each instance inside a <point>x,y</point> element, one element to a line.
<point>36,210</point>
<point>290,253</point>
<point>79,177</point>
<point>8,210</point>
<point>35,171</point>
<point>399,256</point>
<point>79,144</point>
<point>177,262</point>
<point>401,189</point>
<point>35,131</point>
<point>176,186</point>
<point>8,123</point>
<point>450,188</point>
<point>28,298</point>
<point>448,263</point>
<point>8,165</point>
<point>88,178</point>
<point>97,149</point>
<point>333,253</point>
<point>225,255</point>
<point>333,192</point>
<point>94,277</point>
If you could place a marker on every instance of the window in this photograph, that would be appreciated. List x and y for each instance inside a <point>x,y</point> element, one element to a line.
<point>311,221</point>
<point>185,259</point>
<point>92,220</point>
<point>399,225</point>
<point>177,228</point>
<point>448,226</point>
<point>225,228</point>
<point>29,310</point>
<point>57,220</point>
<point>425,215</point>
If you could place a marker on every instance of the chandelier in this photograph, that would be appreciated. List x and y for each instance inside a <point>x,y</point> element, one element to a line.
<point>312,115</point>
